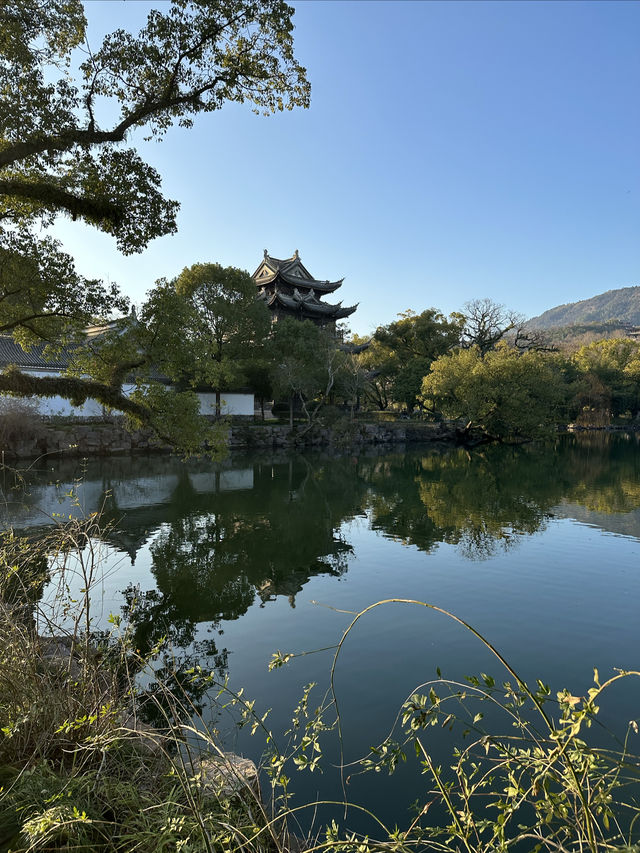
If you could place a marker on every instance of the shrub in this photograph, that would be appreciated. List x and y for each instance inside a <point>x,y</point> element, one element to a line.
<point>19,420</point>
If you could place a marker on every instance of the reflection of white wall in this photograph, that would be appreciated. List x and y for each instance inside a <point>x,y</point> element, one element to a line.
<point>229,481</point>
<point>143,491</point>
<point>232,404</point>
<point>240,479</point>
<point>58,501</point>
<point>81,499</point>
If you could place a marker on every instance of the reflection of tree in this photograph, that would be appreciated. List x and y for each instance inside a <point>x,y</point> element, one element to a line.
<point>607,472</point>
<point>24,571</point>
<point>488,499</point>
<point>220,544</point>
<point>395,507</point>
<point>479,501</point>
<point>223,550</point>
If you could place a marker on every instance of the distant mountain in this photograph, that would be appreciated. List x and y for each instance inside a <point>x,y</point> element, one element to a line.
<point>615,309</point>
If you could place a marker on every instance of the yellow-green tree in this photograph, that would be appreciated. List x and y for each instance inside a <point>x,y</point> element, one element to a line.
<point>505,394</point>
<point>609,371</point>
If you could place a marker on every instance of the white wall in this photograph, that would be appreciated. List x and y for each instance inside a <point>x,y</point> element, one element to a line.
<point>232,404</point>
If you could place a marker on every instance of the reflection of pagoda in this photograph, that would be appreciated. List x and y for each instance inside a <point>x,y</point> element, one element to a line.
<point>290,290</point>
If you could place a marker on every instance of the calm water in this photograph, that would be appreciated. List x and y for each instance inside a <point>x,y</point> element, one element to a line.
<point>537,547</point>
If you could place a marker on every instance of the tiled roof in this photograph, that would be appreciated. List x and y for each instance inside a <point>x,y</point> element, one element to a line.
<point>309,305</point>
<point>12,353</point>
<point>288,270</point>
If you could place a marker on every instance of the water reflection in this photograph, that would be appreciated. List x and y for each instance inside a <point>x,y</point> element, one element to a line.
<point>487,500</point>
<point>224,549</point>
<point>222,537</point>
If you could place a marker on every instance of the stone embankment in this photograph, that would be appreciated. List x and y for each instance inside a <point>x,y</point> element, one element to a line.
<point>398,432</point>
<point>76,439</point>
<point>82,439</point>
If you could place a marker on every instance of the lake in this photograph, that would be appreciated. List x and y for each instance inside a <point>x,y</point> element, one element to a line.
<point>537,547</point>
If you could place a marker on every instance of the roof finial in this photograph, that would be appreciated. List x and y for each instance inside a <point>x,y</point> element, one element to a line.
<point>266,253</point>
<point>295,254</point>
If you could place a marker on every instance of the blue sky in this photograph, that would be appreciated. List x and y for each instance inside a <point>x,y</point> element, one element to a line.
<point>452,150</point>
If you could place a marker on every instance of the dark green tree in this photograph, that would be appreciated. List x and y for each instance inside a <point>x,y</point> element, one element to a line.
<point>61,152</point>
<point>225,323</point>
<point>409,345</point>
<point>306,363</point>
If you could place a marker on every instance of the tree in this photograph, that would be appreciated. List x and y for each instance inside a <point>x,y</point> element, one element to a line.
<point>410,345</point>
<point>610,374</point>
<point>60,153</point>
<point>306,362</point>
<point>56,155</point>
<point>351,382</point>
<point>225,323</point>
<point>485,323</point>
<point>258,374</point>
<point>376,365</point>
<point>504,394</point>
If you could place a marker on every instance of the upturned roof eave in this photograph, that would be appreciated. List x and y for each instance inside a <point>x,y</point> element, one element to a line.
<point>313,308</point>
<point>324,286</point>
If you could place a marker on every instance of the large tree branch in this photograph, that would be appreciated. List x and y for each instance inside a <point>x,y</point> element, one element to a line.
<point>51,194</point>
<point>13,381</point>
<point>90,136</point>
<point>25,320</point>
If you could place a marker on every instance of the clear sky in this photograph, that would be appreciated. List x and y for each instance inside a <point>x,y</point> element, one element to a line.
<point>452,150</point>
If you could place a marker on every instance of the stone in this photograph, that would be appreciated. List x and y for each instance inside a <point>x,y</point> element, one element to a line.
<point>228,775</point>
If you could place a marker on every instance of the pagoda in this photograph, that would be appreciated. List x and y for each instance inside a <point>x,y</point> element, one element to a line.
<point>290,290</point>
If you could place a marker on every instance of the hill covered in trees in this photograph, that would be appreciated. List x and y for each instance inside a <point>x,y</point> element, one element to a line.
<point>613,309</point>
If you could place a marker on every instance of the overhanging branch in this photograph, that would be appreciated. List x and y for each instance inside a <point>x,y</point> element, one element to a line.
<point>78,391</point>
<point>52,195</point>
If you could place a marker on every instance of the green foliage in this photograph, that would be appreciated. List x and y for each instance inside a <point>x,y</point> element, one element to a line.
<point>189,58</point>
<point>224,322</point>
<point>175,416</point>
<point>41,295</point>
<point>523,776</point>
<point>506,394</point>
<point>306,363</point>
<point>406,349</point>
<point>378,370</point>
<point>78,771</point>
<point>614,366</point>
<point>60,155</point>
<point>78,768</point>
<point>426,335</point>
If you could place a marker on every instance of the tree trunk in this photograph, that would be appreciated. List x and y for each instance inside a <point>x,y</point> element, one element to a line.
<point>291,411</point>
<point>218,405</point>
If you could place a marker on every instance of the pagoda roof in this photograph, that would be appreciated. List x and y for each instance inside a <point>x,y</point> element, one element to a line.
<point>307,304</point>
<point>291,271</point>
